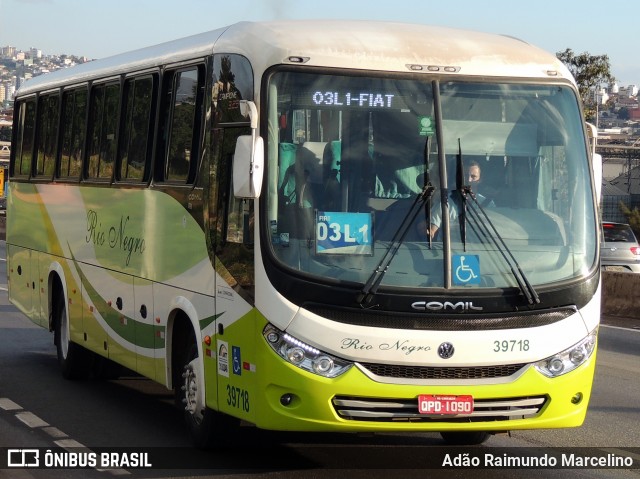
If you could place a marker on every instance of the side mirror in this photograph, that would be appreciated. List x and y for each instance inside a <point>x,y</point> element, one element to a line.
<point>248,167</point>
<point>248,159</point>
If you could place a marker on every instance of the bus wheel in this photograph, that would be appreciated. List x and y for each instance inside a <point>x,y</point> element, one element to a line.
<point>207,427</point>
<point>465,438</point>
<point>74,360</point>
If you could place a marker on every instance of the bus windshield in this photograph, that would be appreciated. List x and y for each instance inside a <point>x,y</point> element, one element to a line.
<point>348,155</point>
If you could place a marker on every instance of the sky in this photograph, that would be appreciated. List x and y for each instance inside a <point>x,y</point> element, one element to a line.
<point>101,28</point>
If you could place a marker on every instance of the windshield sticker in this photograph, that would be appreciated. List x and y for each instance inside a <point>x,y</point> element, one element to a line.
<point>344,233</point>
<point>466,269</point>
<point>427,126</point>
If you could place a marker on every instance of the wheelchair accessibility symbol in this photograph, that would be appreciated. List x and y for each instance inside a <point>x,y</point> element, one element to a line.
<point>466,269</point>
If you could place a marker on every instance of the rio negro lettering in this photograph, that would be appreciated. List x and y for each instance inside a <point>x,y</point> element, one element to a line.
<point>114,236</point>
<point>403,346</point>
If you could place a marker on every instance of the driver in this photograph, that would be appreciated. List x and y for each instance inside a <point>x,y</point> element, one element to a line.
<point>474,176</point>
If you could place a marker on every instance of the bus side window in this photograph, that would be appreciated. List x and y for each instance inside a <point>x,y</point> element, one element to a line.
<point>74,113</point>
<point>180,124</point>
<point>137,130</point>
<point>47,135</point>
<point>25,137</point>
<point>103,124</point>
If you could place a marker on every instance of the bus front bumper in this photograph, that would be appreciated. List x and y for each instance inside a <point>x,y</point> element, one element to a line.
<point>296,400</point>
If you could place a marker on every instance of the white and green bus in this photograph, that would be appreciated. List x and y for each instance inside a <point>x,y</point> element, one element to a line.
<point>239,216</point>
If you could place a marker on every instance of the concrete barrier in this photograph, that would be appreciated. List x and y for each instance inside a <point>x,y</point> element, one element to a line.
<point>621,294</point>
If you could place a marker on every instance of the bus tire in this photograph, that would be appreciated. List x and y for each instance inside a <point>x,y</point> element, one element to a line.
<point>465,438</point>
<point>207,428</point>
<point>75,361</point>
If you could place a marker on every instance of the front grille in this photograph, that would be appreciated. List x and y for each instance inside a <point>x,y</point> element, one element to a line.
<point>439,321</point>
<point>396,410</point>
<point>427,372</point>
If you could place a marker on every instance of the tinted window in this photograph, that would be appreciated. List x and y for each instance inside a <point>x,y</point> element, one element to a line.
<point>180,124</point>
<point>103,123</point>
<point>616,232</point>
<point>73,129</point>
<point>232,81</point>
<point>138,109</point>
<point>47,134</point>
<point>26,129</point>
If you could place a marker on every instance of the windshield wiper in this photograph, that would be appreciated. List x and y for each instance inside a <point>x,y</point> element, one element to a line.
<point>371,286</point>
<point>489,230</point>
<point>463,191</point>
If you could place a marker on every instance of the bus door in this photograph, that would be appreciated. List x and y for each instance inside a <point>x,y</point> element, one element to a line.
<point>230,237</point>
<point>231,231</point>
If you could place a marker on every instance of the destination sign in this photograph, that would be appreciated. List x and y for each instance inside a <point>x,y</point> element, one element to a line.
<point>352,99</point>
<point>344,233</point>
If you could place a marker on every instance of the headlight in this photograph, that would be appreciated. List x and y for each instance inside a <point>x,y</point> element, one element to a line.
<point>569,359</point>
<point>303,355</point>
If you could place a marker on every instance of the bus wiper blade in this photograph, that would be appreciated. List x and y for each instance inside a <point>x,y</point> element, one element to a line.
<point>463,191</point>
<point>490,231</point>
<point>371,286</point>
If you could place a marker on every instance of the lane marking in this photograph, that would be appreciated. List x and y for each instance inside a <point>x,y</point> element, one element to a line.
<point>54,432</point>
<point>634,329</point>
<point>31,420</point>
<point>8,405</point>
<point>61,438</point>
<point>72,445</point>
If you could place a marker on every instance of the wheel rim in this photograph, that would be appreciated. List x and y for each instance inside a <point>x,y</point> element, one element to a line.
<point>193,391</point>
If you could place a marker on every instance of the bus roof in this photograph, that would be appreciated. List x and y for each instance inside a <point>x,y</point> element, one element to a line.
<point>383,46</point>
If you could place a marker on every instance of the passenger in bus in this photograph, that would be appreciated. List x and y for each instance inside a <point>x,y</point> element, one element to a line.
<point>474,180</point>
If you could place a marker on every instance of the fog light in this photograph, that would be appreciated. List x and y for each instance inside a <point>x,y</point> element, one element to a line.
<point>286,399</point>
<point>577,398</point>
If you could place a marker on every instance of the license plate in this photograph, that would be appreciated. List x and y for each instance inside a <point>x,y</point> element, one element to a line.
<point>430,404</point>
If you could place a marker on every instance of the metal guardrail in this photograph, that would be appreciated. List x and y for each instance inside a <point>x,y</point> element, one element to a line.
<point>618,151</point>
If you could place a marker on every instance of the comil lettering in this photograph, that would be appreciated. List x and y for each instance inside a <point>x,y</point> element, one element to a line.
<point>439,306</point>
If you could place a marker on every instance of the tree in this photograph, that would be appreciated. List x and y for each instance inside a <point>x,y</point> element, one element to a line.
<point>633,217</point>
<point>589,71</point>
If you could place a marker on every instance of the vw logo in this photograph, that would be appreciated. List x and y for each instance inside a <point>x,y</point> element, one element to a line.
<point>446,350</point>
